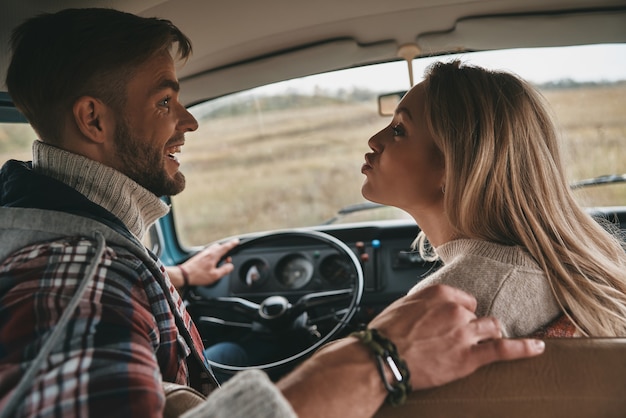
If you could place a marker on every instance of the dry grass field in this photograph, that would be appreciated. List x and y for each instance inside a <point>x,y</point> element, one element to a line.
<point>298,167</point>
<point>593,128</point>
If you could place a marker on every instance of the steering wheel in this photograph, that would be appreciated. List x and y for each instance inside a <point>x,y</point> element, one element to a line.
<point>275,315</point>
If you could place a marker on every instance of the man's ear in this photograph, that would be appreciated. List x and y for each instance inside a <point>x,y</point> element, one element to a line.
<point>93,118</point>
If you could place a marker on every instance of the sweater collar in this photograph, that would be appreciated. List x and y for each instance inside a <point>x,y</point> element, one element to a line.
<point>134,205</point>
<point>509,254</point>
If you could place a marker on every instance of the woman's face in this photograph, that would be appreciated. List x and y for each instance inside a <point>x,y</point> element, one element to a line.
<point>405,169</point>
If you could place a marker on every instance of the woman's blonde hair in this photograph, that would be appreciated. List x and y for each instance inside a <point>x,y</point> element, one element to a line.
<point>505,183</point>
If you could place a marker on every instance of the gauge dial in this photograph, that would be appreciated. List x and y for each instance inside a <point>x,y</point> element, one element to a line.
<point>294,271</point>
<point>254,272</point>
<point>337,269</point>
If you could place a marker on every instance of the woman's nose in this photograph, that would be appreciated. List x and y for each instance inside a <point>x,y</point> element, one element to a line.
<point>375,142</point>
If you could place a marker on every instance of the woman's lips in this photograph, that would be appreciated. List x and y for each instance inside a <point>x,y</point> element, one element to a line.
<point>367,166</point>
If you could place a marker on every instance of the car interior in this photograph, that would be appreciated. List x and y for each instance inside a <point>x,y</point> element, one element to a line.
<point>287,94</point>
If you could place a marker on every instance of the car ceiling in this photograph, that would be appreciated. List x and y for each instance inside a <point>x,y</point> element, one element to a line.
<point>240,44</point>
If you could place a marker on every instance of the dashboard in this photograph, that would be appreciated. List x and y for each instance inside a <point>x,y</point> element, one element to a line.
<point>293,267</point>
<point>295,290</point>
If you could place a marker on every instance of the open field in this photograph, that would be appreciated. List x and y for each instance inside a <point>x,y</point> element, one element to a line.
<point>593,128</point>
<point>297,167</point>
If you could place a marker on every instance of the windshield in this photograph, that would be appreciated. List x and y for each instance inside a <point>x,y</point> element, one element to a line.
<point>290,154</point>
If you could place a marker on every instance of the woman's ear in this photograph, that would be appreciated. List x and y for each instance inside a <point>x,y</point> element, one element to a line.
<point>93,118</point>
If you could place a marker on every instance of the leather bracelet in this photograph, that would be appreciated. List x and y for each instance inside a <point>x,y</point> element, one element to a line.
<point>185,276</point>
<point>386,355</point>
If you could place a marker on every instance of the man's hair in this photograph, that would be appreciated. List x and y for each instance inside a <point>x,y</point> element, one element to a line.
<point>60,57</point>
<point>505,183</point>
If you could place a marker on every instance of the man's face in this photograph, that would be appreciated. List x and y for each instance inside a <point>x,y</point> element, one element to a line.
<point>151,127</point>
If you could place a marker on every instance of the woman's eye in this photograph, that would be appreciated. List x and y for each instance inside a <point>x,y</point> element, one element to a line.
<point>397,130</point>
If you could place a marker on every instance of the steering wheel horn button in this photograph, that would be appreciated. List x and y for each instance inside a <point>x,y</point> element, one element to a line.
<point>274,307</point>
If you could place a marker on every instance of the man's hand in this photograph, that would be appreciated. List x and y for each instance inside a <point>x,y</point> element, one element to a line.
<point>441,339</point>
<point>435,331</point>
<point>202,268</point>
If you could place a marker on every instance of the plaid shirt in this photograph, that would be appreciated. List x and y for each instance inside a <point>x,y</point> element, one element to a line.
<point>121,343</point>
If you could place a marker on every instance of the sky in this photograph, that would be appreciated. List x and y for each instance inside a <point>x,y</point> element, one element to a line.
<point>580,63</point>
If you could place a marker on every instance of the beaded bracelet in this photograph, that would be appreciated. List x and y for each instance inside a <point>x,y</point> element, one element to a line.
<point>385,353</point>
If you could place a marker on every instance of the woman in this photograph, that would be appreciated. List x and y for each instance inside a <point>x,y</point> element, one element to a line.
<point>472,155</point>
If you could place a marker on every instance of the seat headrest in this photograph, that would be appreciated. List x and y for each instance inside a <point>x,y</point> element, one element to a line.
<point>573,378</point>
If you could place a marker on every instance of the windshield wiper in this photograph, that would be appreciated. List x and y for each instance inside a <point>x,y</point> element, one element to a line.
<point>596,181</point>
<point>346,210</point>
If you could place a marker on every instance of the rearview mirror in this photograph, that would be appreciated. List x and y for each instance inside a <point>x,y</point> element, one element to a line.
<point>388,102</point>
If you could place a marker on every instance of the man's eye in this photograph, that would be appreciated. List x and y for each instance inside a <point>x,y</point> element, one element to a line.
<point>165,102</point>
<point>397,130</point>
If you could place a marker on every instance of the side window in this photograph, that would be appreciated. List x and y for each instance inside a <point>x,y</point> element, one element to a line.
<point>16,141</point>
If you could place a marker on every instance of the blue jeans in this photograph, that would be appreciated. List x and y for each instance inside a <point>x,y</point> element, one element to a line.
<point>251,353</point>
<point>228,353</point>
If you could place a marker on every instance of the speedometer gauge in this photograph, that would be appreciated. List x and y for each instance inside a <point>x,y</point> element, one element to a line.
<point>294,271</point>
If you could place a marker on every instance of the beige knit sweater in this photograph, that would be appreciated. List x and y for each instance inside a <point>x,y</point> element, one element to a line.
<point>505,280</point>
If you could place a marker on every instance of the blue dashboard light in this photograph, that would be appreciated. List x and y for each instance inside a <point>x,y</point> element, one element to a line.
<point>375,243</point>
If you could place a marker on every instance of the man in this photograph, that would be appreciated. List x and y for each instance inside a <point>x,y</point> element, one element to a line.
<point>100,89</point>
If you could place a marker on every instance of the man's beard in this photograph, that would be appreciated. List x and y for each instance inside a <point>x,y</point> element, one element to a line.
<point>144,163</point>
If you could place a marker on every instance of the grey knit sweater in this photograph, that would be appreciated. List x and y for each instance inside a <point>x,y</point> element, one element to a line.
<point>505,280</point>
